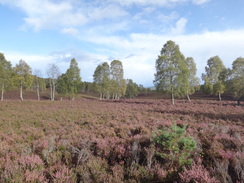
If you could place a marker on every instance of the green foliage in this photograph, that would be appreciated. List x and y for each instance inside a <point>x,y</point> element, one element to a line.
<point>73,78</point>
<point>214,79</point>
<point>53,73</point>
<point>62,86</point>
<point>132,89</point>
<point>70,82</point>
<point>109,81</point>
<point>117,76</point>
<point>193,80</point>
<point>175,145</point>
<point>101,78</point>
<point>171,71</point>
<point>23,76</point>
<point>5,74</point>
<point>237,78</point>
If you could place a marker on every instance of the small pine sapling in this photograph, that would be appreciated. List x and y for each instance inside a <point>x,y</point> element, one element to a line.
<point>174,145</point>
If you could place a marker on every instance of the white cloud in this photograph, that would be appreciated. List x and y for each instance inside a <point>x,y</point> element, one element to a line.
<point>179,27</point>
<point>139,52</point>
<point>167,18</point>
<point>46,14</point>
<point>155,2</point>
<point>52,14</point>
<point>71,31</point>
<point>87,61</point>
<point>143,50</point>
<point>199,2</point>
<point>35,61</point>
<point>110,11</point>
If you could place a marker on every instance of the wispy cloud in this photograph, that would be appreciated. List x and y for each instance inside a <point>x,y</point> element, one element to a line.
<point>156,2</point>
<point>139,52</point>
<point>70,31</point>
<point>199,2</point>
<point>50,14</point>
<point>179,27</point>
<point>144,49</point>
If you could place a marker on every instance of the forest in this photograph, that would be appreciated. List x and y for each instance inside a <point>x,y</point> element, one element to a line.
<point>60,129</point>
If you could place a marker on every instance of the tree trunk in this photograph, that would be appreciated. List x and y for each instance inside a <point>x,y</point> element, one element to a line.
<point>100,96</point>
<point>188,97</point>
<point>238,102</point>
<point>172,99</point>
<point>220,97</point>
<point>2,92</point>
<point>53,91</point>
<point>21,92</point>
<point>38,92</point>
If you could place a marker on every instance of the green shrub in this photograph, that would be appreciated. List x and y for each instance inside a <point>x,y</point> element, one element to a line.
<point>174,145</point>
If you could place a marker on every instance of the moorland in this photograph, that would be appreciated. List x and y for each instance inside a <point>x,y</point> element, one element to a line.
<point>91,140</point>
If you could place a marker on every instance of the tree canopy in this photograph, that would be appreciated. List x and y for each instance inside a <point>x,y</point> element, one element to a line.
<point>110,81</point>
<point>23,76</point>
<point>237,79</point>
<point>5,74</point>
<point>171,71</point>
<point>214,77</point>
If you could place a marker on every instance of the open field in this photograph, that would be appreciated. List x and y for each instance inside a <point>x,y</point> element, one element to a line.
<point>111,141</point>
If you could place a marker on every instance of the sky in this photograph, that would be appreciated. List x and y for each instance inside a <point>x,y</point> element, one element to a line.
<point>44,32</point>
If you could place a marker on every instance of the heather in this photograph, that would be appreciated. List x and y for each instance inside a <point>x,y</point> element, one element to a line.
<point>114,141</point>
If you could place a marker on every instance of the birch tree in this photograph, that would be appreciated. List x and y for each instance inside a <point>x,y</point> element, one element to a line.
<point>237,79</point>
<point>5,74</point>
<point>101,78</point>
<point>23,76</point>
<point>214,76</point>
<point>117,76</point>
<point>37,82</point>
<point>171,71</point>
<point>53,73</point>
<point>193,80</point>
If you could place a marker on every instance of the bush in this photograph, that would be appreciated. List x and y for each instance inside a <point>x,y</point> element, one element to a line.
<point>174,145</point>
<point>197,173</point>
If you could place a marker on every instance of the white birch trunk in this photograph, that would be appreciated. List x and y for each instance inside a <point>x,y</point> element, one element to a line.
<point>220,97</point>
<point>2,92</point>
<point>38,92</point>
<point>188,97</point>
<point>21,91</point>
<point>53,91</point>
<point>172,99</point>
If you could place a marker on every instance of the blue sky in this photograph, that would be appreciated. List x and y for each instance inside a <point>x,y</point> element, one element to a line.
<point>42,32</point>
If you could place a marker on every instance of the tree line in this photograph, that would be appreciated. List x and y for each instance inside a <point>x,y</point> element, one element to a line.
<point>176,75</point>
<point>109,81</point>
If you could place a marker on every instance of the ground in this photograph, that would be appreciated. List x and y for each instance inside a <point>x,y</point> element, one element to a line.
<point>88,140</point>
